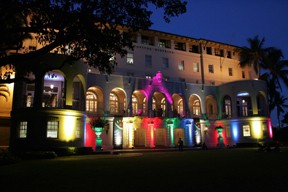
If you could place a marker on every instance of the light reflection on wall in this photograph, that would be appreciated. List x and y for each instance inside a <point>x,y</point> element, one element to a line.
<point>257,131</point>
<point>157,84</point>
<point>189,131</point>
<point>235,131</point>
<point>170,127</point>
<point>69,128</point>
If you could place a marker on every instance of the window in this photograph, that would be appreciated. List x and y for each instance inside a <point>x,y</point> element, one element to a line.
<point>113,103</point>
<point>229,54</point>
<point>196,108</point>
<point>164,43</point>
<point>23,129</point>
<point>148,60</point>
<point>219,52</point>
<point>180,46</point>
<point>246,130</point>
<point>243,75</point>
<point>230,72</point>
<point>165,63</point>
<point>195,67</point>
<point>194,49</point>
<point>180,107</point>
<point>52,129</point>
<point>134,105</point>
<point>91,102</point>
<point>147,40</point>
<point>227,107</point>
<point>181,66</point>
<point>242,106</point>
<point>209,50</point>
<point>130,59</point>
<point>210,69</point>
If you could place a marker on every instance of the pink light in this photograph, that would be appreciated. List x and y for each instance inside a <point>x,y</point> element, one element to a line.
<point>270,129</point>
<point>158,85</point>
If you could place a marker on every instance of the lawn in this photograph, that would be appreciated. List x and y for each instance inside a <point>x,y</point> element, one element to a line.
<point>212,170</point>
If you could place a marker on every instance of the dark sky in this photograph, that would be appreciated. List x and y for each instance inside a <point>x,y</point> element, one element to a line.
<point>232,22</point>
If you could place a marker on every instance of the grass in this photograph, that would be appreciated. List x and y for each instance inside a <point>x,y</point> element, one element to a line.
<point>211,170</point>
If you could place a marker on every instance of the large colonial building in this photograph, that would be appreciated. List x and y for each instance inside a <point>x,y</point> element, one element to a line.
<point>168,87</point>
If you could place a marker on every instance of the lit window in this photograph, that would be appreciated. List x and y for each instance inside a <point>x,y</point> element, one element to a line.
<point>181,66</point>
<point>134,105</point>
<point>165,63</point>
<point>196,108</point>
<point>91,102</point>
<point>164,43</point>
<point>195,67</point>
<point>227,107</point>
<point>246,131</point>
<point>113,103</point>
<point>180,108</point>
<point>210,69</point>
<point>230,71</point>
<point>52,129</point>
<point>148,61</point>
<point>23,129</point>
<point>130,58</point>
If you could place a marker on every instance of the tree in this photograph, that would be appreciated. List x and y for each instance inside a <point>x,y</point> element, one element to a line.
<point>253,55</point>
<point>84,29</point>
<point>275,73</point>
<point>280,104</point>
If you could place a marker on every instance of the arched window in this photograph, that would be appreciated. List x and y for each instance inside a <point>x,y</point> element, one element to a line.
<point>180,107</point>
<point>227,113</point>
<point>196,108</point>
<point>91,102</point>
<point>163,104</point>
<point>113,103</point>
<point>134,105</point>
<point>243,104</point>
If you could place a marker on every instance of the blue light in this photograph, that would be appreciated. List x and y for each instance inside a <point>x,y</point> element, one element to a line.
<point>235,132</point>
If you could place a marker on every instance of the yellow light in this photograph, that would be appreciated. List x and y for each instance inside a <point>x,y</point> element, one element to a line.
<point>69,128</point>
<point>257,132</point>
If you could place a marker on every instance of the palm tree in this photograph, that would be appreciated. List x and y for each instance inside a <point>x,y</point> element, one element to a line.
<point>280,104</point>
<point>275,74</point>
<point>253,55</point>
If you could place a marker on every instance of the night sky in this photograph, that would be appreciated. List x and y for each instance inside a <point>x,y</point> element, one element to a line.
<point>232,22</point>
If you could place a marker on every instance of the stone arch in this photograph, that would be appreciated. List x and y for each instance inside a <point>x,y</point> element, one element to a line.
<point>117,102</point>
<point>97,106</point>
<point>178,104</point>
<point>195,106</point>
<point>140,107</point>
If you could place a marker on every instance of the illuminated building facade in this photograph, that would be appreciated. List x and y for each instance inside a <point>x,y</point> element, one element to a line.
<point>168,87</point>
